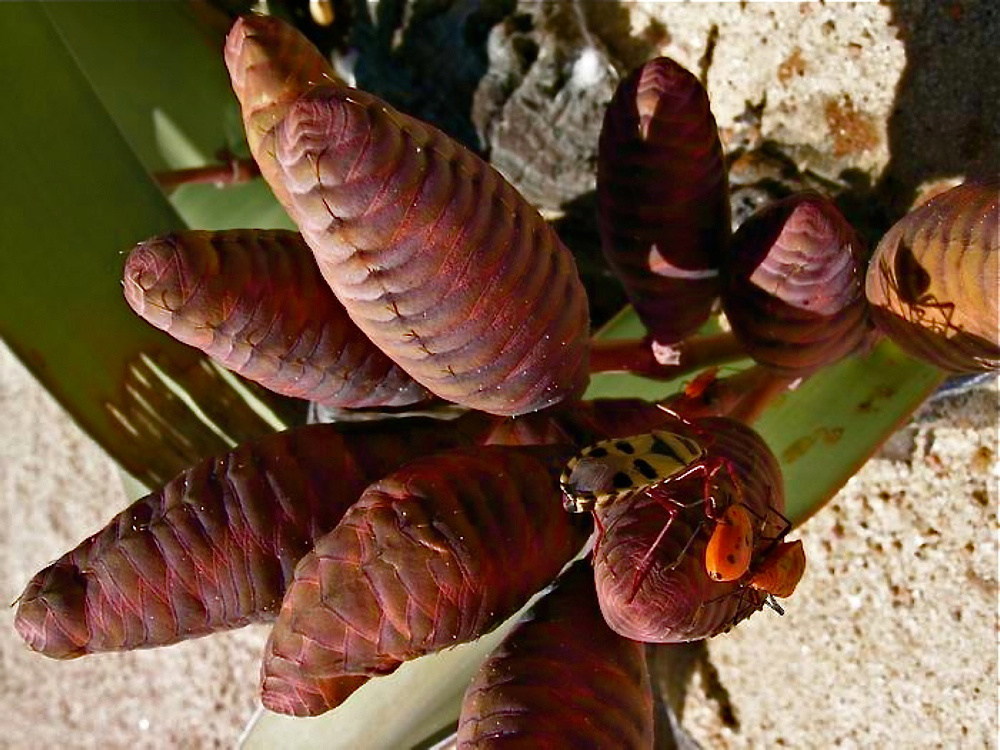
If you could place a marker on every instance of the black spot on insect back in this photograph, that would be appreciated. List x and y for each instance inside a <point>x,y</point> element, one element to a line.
<point>625,447</point>
<point>597,452</point>
<point>622,481</point>
<point>645,468</point>
<point>665,449</point>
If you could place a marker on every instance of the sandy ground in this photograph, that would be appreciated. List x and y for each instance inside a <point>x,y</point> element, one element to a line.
<point>891,640</point>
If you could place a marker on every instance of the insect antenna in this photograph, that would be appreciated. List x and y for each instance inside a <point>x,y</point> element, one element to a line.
<point>774,541</point>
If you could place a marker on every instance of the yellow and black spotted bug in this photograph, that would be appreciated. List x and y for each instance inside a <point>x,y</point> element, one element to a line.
<point>614,469</point>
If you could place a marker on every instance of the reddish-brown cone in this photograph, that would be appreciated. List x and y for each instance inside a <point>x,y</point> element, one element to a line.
<point>663,197</point>
<point>793,286</point>
<point>434,255</point>
<point>666,595</point>
<point>934,278</point>
<point>255,302</point>
<point>436,554</point>
<point>215,548</point>
<point>562,678</point>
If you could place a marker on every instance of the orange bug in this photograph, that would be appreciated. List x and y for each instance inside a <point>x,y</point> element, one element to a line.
<point>780,570</point>
<point>728,552</point>
<point>729,557</point>
<point>776,574</point>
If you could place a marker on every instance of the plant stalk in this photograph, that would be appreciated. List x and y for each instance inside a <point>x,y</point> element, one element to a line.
<point>232,172</point>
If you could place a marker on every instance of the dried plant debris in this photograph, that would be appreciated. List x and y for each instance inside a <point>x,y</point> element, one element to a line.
<point>540,106</point>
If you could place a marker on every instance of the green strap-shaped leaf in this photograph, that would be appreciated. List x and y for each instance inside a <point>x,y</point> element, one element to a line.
<point>113,45</point>
<point>73,197</point>
<point>827,428</point>
<point>400,710</point>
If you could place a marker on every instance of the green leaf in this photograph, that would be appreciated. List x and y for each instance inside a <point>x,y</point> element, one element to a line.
<point>145,58</point>
<point>248,206</point>
<point>74,197</point>
<point>157,68</point>
<point>827,428</point>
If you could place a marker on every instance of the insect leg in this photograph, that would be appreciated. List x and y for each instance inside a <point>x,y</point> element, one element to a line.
<point>708,469</point>
<point>601,531</point>
<point>642,570</point>
<point>785,527</point>
<point>771,602</point>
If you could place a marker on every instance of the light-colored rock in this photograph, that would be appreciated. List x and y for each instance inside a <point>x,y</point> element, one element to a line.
<point>825,75</point>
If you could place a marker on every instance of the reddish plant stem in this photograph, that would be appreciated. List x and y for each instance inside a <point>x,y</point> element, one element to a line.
<point>743,396</point>
<point>232,172</point>
<point>637,356</point>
